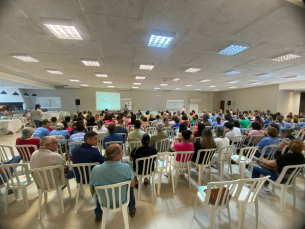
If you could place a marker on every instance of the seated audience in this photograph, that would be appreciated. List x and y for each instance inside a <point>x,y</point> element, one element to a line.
<point>184,145</point>
<point>120,129</point>
<point>177,123</point>
<point>144,151</point>
<point>87,153</point>
<point>244,122</point>
<point>156,121</point>
<point>160,135</point>
<point>294,157</point>
<point>79,136</point>
<point>201,127</point>
<point>217,123</point>
<point>275,126</point>
<point>68,120</point>
<point>227,118</point>
<point>42,131</point>
<point>100,128</point>
<point>66,127</point>
<point>288,123</point>
<point>79,123</point>
<point>206,120</point>
<point>53,121</point>
<point>296,124</point>
<point>287,137</point>
<point>271,139</point>
<point>26,139</point>
<point>259,120</point>
<point>145,121</point>
<point>220,141</point>
<point>231,131</point>
<point>91,121</point>
<point>279,121</point>
<point>110,172</point>
<point>74,118</point>
<point>112,135</point>
<point>256,130</point>
<point>59,131</point>
<point>136,134</point>
<point>236,124</point>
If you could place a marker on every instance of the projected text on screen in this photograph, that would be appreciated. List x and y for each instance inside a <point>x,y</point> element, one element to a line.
<point>106,100</point>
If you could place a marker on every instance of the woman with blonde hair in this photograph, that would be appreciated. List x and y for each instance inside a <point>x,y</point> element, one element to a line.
<point>288,123</point>
<point>279,121</point>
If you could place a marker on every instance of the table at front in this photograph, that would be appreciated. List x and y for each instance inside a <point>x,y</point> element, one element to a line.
<point>12,125</point>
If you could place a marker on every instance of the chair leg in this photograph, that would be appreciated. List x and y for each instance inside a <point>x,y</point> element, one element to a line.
<point>39,202</point>
<point>16,193</point>
<point>159,182</point>
<point>256,212</point>
<point>221,168</point>
<point>195,206</point>
<point>176,178</point>
<point>153,183</point>
<point>139,187</point>
<point>45,197</point>
<point>173,181</point>
<point>61,199</point>
<point>242,170</point>
<point>125,217</point>
<point>77,197</point>
<point>211,172</point>
<point>68,186</point>
<point>213,212</point>
<point>283,195</point>
<point>229,215</point>
<point>241,215</point>
<point>189,175</point>
<point>6,199</point>
<point>104,218</point>
<point>294,187</point>
<point>25,197</point>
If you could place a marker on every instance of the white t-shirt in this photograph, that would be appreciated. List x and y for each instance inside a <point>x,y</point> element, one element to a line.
<point>231,134</point>
<point>220,142</point>
<point>36,114</point>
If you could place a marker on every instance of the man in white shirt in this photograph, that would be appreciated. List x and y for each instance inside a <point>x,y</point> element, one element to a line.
<point>37,115</point>
<point>231,131</point>
<point>156,121</point>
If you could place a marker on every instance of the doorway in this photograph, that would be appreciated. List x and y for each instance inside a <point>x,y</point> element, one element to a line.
<point>194,106</point>
<point>222,105</point>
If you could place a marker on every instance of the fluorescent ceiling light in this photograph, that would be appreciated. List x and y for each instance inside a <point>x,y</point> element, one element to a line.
<point>216,90</point>
<point>137,83</point>
<point>23,57</point>
<point>189,85</point>
<point>84,85</point>
<point>107,82</point>
<point>156,88</point>
<point>62,29</point>
<point>161,39</point>
<point>267,75</point>
<point>197,89</point>
<point>140,77</point>
<point>74,80</point>
<point>193,69</point>
<point>234,81</point>
<point>176,79</point>
<point>135,87</point>
<point>163,84</point>
<point>234,49</point>
<point>293,77</point>
<point>147,66</point>
<point>212,86</point>
<point>233,87</point>
<point>101,74</point>
<point>204,81</point>
<point>89,62</point>
<point>256,83</point>
<point>54,71</point>
<point>286,57</point>
<point>232,72</point>
<point>110,86</point>
<point>177,88</point>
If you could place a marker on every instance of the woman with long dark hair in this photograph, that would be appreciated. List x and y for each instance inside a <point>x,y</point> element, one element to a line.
<point>201,127</point>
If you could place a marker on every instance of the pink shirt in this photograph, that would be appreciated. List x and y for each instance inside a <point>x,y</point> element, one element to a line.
<point>184,147</point>
<point>109,121</point>
<point>256,132</point>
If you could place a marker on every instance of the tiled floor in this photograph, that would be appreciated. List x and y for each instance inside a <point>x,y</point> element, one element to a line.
<point>153,212</point>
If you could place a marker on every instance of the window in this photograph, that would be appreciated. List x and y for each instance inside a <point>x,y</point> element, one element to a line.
<point>49,102</point>
<point>175,104</point>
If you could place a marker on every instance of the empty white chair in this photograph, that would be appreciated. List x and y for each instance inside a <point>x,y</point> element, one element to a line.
<point>59,137</point>
<point>6,153</point>
<point>117,205</point>
<point>272,151</point>
<point>62,149</point>
<point>148,165</point>
<point>162,145</point>
<point>164,166</point>
<point>242,160</point>
<point>25,152</point>
<point>82,170</point>
<point>245,196</point>
<point>215,203</point>
<point>224,156</point>
<point>181,165</point>
<point>15,182</point>
<point>290,173</point>
<point>45,182</point>
<point>206,162</point>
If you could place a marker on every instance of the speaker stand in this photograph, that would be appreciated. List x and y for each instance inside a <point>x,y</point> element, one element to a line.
<point>77,109</point>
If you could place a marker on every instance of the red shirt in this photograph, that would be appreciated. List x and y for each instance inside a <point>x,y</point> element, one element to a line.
<point>30,141</point>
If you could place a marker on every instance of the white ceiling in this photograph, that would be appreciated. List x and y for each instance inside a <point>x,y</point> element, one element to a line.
<point>116,33</point>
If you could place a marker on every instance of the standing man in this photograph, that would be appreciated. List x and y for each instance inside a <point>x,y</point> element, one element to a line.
<point>37,115</point>
<point>126,109</point>
<point>183,109</point>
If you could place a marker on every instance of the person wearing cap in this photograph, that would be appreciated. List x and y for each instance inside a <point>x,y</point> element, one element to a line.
<point>26,139</point>
<point>42,131</point>
<point>59,131</point>
<point>160,135</point>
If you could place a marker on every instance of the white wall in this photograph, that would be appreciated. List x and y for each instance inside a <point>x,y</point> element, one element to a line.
<point>288,101</point>
<point>10,98</point>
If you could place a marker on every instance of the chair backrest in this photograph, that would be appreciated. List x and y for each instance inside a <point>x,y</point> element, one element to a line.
<point>225,187</point>
<point>197,139</point>
<point>6,153</point>
<point>256,186</point>
<point>208,153</point>
<point>238,141</point>
<point>184,158</point>
<point>272,149</point>
<point>162,145</point>
<point>62,148</point>
<point>164,161</point>
<point>12,179</point>
<point>44,177</point>
<point>254,140</point>
<point>171,134</point>
<point>248,153</point>
<point>148,165</point>
<point>218,126</point>
<point>83,171</point>
<point>26,151</point>
<point>192,126</point>
<point>72,145</point>
<point>130,128</point>
<point>145,126</point>
<point>90,128</point>
<point>227,151</point>
<point>101,137</point>
<point>151,131</point>
<point>58,137</point>
<point>124,136</point>
<point>113,142</point>
<point>134,144</point>
<point>290,172</point>
<point>112,197</point>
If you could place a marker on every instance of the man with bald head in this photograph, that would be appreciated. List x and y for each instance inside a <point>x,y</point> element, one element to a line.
<point>110,172</point>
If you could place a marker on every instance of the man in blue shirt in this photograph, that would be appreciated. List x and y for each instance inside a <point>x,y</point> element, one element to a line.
<point>112,136</point>
<point>113,172</point>
<point>177,125</point>
<point>86,153</point>
<point>42,131</point>
<point>59,131</point>
<point>79,136</point>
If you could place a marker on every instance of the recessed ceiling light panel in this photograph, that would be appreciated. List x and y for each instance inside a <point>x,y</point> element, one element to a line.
<point>74,80</point>
<point>212,86</point>
<point>109,82</point>
<point>84,85</point>
<point>177,88</point>
<point>286,57</point>
<point>110,86</point>
<point>234,81</point>
<point>256,83</point>
<point>23,57</point>
<point>197,89</point>
<point>90,62</point>
<point>140,77</point>
<point>161,39</point>
<point>147,66</point>
<point>233,87</point>
<point>163,84</point>
<point>234,49</point>
<point>176,79</point>
<point>135,87</point>
<point>137,83</point>
<point>232,72</point>
<point>267,75</point>
<point>101,74</point>
<point>54,71</point>
<point>157,88</point>
<point>205,80</point>
<point>189,85</point>
<point>193,69</point>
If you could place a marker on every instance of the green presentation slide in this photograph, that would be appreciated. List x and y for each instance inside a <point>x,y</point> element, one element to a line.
<point>106,100</point>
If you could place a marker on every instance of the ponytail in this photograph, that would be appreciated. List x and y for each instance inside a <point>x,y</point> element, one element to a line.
<point>145,144</point>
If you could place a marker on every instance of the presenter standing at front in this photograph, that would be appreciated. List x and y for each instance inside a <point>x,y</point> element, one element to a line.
<point>183,109</point>
<point>126,109</point>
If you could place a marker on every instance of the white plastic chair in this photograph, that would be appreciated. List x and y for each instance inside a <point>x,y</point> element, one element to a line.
<point>171,134</point>
<point>273,149</point>
<point>244,158</point>
<point>206,162</point>
<point>72,145</point>
<point>145,127</point>
<point>165,167</point>
<point>219,205</point>
<point>58,137</point>
<point>151,131</point>
<point>182,165</point>
<point>134,144</point>
<point>291,176</point>
<point>45,177</point>
<point>6,153</point>
<point>148,171</point>
<point>110,189</point>
<point>83,169</point>
<point>100,140</point>
<point>124,142</point>
<point>62,149</point>
<point>254,140</point>
<point>244,196</point>
<point>16,182</point>
<point>25,152</point>
<point>224,156</point>
<point>162,145</point>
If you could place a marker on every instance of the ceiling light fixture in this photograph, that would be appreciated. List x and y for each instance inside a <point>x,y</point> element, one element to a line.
<point>212,86</point>
<point>293,77</point>
<point>101,74</point>
<point>205,80</point>
<point>176,79</point>
<point>177,88</point>
<point>34,95</point>
<point>193,69</point>
<point>137,83</point>
<point>90,62</point>
<point>267,75</point>
<point>54,71</point>
<point>140,77</point>
<point>234,81</point>
<point>147,66</point>
<point>189,85</point>
<point>216,90</point>
<point>135,87</point>
<point>15,93</point>
<point>256,83</point>
<point>23,57</point>
<point>84,85</point>
<point>3,92</point>
<point>62,29</point>
<point>110,86</point>
<point>157,88</point>
<point>107,82</point>
<point>26,94</point>
<point>233,87</point>
<point>234,49</point>
<point>74,80</point>
<point>197,89</point>
<point>232,72</point>
<point>161,39</point>
<point>163,84</point>
<point>286,57</point>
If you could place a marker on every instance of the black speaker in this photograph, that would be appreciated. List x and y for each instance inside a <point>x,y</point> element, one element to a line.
<point>77,101</point>
<point>229,103</point>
